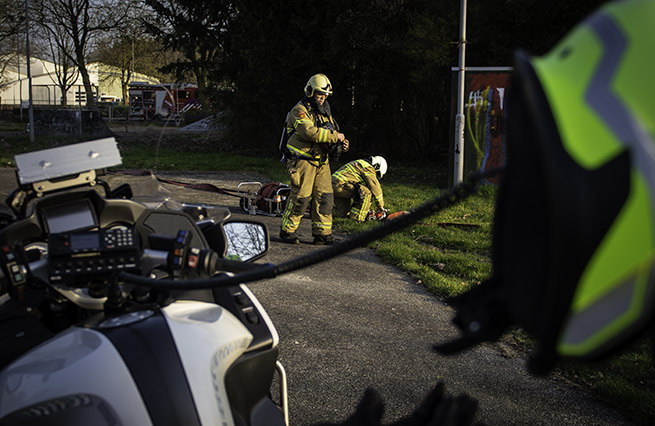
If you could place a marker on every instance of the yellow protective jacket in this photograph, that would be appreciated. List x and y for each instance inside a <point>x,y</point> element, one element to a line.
<point>311,133</point>
<point>360,172</point>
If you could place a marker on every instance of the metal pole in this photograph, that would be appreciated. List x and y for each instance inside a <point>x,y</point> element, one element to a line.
<point>458,175</point>
<point>29,73</point>
<point>79,108</point>
<point>20,80</point>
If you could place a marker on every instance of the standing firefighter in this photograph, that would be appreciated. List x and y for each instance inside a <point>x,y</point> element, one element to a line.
<point>314,135</point>
<point>355,184</point>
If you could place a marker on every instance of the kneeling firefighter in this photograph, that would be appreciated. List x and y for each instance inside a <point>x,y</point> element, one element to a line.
<point>313,136</point>
<point>354,185</point>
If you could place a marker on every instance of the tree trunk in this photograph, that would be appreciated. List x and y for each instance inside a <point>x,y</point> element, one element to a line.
<point>126,94</point>
<point>90,95</point>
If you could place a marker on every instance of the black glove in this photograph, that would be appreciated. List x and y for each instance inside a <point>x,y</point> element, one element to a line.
<point>435,410</point>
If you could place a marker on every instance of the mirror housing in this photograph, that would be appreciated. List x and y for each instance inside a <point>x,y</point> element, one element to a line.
<point>245,240</point>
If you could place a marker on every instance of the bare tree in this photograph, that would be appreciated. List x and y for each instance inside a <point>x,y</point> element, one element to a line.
<point>81,22</point>
<point>12,23</point>
<point>120,48</point>
<point>66,73</point>
<point>118,54</point>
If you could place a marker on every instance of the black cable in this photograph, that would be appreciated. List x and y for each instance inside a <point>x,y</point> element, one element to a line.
<point>259,272</point>
<point>450,197</point>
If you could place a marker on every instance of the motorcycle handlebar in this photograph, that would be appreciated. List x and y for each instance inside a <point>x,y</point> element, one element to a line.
<point>210,270</point>
<point>198,263</point>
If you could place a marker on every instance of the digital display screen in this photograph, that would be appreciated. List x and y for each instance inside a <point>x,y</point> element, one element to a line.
<point>86,241</point>
<point>69,217</point>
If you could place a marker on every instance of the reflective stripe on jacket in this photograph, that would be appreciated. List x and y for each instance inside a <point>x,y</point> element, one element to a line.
<point>360,172</point>
<point>311,132</point>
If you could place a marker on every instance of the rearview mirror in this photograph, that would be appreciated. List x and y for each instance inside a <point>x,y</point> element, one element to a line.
<point>245,240</point>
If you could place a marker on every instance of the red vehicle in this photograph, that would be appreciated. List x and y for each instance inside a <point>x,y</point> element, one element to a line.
<point>165,101</point>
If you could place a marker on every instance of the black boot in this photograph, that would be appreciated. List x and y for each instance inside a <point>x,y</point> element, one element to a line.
<point>324,240</point>
<point>289,237</point>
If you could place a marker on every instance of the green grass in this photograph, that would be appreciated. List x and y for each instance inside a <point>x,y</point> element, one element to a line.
<point>625,381</point>
<point>13,126</point>
<point>166,160</point>
<point>449,253</point>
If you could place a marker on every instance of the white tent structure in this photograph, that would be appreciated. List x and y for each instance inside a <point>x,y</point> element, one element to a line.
<point>105,81</point>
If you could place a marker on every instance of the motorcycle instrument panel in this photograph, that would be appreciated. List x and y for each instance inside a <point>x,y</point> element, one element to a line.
<point>69,217</point>
<point>92,253</point>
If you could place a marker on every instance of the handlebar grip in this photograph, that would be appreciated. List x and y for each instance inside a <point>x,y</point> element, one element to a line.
<point>200,263</point>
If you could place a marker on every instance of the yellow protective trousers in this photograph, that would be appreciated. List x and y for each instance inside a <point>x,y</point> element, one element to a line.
<point>310,183</point>
<point>351,200</point>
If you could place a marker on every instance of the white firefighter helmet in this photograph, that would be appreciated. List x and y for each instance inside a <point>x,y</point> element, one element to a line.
<point>318,83</point>
<point>379,164</point>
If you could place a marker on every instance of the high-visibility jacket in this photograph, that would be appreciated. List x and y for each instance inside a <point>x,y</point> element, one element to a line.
<point>311,132</point>
<point>360,172</point>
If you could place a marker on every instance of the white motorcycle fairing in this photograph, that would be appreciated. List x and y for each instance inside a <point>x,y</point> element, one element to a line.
<point>128,371</point>
<point>209,340</point>
<point>71,378</point>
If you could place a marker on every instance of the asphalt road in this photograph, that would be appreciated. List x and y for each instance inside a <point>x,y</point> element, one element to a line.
<point>354,322</point>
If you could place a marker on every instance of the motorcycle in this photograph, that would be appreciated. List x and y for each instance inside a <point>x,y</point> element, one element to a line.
<point>101,321</point>
<point>118,309</point>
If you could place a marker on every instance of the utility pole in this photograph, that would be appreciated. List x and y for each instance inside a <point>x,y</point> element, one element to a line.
<point>458,168</point>
<point>29,74</point>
